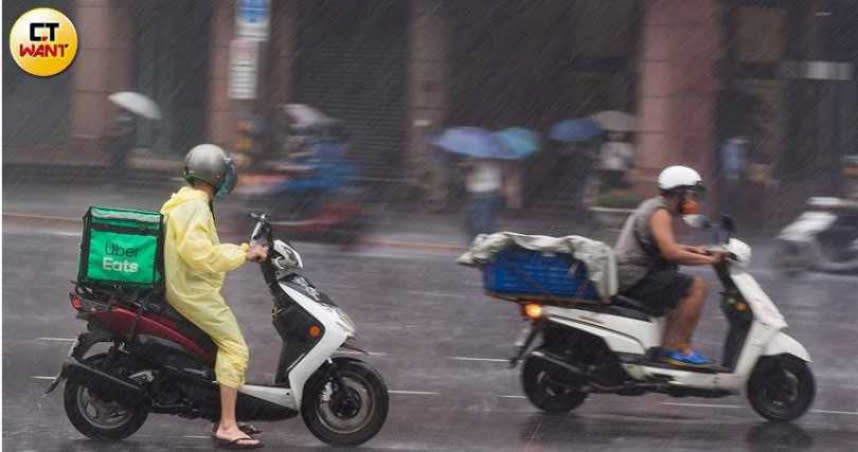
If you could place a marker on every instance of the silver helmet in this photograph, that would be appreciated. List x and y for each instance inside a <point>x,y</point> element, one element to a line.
<point>210,164</point>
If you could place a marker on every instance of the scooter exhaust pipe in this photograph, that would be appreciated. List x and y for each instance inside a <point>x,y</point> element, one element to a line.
<point>549,357</point>
<point>104,384</point>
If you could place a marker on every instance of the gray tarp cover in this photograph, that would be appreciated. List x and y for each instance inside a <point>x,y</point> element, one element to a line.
<point>597,256</point>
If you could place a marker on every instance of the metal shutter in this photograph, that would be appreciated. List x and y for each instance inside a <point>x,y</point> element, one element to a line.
<point>352,64</point>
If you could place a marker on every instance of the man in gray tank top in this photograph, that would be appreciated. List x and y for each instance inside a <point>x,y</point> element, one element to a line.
<point>648,259</point>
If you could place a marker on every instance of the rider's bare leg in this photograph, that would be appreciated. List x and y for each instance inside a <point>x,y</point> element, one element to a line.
<point>681,322</point>
<point>228,427</point>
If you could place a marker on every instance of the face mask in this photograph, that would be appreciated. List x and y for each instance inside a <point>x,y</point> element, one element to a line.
<point>689,207</point>
<point>695,221</point>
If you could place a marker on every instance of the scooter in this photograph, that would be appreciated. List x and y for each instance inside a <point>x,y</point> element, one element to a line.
<point>573,350</point>
<point>825,238</point>
<point>158,362</point>
<point>334,216</point>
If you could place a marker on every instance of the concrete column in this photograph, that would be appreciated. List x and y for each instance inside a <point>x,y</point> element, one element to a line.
<point>222,122</point>
<point>676,96</point>
<point>283,43</point>
<point>427,95</point>
<point>102,66</point>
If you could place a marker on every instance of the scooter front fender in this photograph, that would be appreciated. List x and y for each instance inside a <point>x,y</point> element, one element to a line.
<point>783,344</point>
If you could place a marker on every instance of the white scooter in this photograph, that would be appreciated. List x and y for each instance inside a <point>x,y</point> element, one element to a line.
<point>824,238</point>
<point>572,351</point>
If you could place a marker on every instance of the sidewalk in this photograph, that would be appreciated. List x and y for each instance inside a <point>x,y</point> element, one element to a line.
<point>389,226</point>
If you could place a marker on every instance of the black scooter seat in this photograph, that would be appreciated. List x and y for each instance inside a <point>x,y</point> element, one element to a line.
<point>186,327</point>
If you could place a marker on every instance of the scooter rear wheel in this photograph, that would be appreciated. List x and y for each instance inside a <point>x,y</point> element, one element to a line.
<point>549,388</point>
<point>96,417</point>
<point>781,388</point>
<point>349,415</point>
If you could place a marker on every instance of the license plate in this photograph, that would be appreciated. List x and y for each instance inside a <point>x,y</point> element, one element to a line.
<point>522,337</point>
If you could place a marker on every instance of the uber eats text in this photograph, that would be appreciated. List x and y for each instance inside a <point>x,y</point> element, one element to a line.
<point>111,263</point>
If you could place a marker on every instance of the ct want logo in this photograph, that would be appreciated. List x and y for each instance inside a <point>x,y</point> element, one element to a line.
<point>43,42</point>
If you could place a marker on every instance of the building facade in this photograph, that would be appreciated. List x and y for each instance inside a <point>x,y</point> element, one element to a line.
<point>695,72</point>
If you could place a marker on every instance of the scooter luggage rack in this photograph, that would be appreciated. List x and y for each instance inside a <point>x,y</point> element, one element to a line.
<point>545,296</point>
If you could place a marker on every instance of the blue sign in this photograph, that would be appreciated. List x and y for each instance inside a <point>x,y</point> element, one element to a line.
<point>253,11</point>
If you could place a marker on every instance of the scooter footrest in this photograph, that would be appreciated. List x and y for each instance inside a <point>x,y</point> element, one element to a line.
<point>713,369</point>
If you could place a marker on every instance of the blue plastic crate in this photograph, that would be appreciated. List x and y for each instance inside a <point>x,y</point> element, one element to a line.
<point>519,271</point>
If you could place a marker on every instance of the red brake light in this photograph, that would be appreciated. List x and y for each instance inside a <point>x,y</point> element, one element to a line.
<point>75,302</point>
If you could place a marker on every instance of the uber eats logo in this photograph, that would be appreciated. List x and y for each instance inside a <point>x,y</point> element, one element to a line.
<point>116,258</point>
<point>43,42</point>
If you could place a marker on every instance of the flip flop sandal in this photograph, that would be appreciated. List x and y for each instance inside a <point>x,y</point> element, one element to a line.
<point>245,427</point>
<point>236,444</point>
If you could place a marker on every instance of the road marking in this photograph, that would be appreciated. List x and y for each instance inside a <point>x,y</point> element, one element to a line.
<point>849,413</point>
<point>41,377</point>
<point>414,393</point>
<point>701,405</point>
<point>512,396</point>
<point>56,339</point>
<point>355,352</point>
<point>467,358</point>
<point>427,293</point>
<point>197,437</point>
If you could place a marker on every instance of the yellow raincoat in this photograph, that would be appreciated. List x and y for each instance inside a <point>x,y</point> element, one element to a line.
<point>195,263</point>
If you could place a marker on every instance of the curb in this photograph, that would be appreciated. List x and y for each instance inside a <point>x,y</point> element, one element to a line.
<point>26,219</point>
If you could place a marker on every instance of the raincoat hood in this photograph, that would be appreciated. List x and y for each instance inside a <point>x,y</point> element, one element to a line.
<point>184,195</point>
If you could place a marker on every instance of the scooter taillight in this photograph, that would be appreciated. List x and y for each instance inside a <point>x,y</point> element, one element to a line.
<point>76,303</point>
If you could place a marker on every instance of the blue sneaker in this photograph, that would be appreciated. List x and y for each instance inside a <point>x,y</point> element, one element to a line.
<point>692,359</point>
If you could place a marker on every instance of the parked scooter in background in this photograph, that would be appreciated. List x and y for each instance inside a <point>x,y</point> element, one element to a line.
<point>824,238</point>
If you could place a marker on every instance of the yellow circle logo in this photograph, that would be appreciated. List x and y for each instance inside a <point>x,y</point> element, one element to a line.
<point>43,42</point>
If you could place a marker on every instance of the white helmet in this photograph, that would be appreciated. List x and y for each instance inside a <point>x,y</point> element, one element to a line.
<point>674,177</point>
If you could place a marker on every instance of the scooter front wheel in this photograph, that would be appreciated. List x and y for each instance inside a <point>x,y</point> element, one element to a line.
<point>781,388</point>
<point>346,406</point>
<point>547,386</point>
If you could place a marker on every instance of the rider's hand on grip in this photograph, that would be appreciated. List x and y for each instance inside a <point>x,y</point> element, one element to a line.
<point>257,253</point>
<point>718,256</point>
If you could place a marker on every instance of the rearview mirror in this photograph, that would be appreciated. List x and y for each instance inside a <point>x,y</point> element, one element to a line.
<point>728,224</point>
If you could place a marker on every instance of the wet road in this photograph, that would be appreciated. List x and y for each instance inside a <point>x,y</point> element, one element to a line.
<point>441,346</point>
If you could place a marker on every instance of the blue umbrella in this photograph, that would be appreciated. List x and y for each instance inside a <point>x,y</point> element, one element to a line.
<point>473,142</point>
<point>522,142</point>
<point>572,130</point>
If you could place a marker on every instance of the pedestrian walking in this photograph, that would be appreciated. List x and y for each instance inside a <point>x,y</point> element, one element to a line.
<point>615,160</point>
<point>484,183</point>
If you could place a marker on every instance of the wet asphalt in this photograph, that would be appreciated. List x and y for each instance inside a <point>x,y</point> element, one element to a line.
<point>441,346</point>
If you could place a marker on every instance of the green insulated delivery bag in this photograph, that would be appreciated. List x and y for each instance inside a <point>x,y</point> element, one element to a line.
<point>121,246</point>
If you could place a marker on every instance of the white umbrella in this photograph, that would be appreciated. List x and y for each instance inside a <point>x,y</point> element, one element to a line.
<point>136,103</point>
<point>306,116</point>
<point>615,120</point>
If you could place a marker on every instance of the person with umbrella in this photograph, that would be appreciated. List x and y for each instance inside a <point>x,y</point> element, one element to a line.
<point>122,135</point>
<point>484,177</point>
<point>578,139</point>
<point>616,155</point>
<point>522,143</point>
